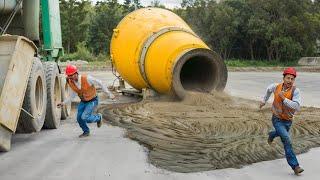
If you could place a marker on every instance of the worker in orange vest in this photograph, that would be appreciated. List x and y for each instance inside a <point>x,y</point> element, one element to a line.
<point>84,86</point>
<point>286,102</point>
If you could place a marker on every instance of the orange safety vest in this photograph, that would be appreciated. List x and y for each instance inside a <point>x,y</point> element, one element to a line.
<point>87,92</point>
<point>278,108</point>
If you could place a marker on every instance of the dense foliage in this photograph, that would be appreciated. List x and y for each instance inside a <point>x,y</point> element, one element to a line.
<point>270,30</point>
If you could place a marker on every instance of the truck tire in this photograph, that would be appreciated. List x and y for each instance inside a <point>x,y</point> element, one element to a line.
<point>66,109</point>
<point>53,114</point>
<point>35,101</point>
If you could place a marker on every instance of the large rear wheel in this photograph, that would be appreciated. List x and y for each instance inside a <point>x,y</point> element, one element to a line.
<point>35,101</point>
<point>66,109</point>
<point>53,114</point>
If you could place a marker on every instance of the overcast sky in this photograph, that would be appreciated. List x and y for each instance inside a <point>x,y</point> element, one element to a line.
<point>167,3</point>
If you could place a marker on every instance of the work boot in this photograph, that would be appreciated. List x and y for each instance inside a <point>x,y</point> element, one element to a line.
<point>99,123</point>
<point>85,134</point>
<point>297,170</point>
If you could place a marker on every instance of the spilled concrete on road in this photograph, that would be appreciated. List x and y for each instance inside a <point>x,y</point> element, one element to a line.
<point>209,131</point>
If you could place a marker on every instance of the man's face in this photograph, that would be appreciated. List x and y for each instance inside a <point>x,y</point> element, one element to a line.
<point>73,77</point>
<point>288,80</point>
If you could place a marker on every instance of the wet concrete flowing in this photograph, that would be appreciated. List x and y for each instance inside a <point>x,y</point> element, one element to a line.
<point>210,131</point>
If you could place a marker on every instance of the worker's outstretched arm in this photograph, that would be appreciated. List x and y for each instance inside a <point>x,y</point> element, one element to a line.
<point>295,102</point>
<point>270,89</point>
<point>66,101</point>
<point>72,96</point>
<point>98,82</point>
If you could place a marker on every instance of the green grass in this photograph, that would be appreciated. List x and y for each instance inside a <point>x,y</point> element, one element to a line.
<point>258,63</point>
<point>93,61</point>
<point>100,63</point>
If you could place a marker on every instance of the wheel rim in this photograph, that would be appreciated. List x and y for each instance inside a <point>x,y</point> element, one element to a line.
<point>39,96</point>
<point>57,95</point>
<point>67,94</point>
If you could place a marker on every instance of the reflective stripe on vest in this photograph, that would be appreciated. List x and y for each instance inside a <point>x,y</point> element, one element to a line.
<point>87,92</point>
<point>278,108</point>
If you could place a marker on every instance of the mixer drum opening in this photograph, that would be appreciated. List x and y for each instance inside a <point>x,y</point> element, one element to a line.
<point>197,70</point>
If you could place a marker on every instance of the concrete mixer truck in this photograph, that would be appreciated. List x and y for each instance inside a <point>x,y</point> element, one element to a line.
<point>30,80</point>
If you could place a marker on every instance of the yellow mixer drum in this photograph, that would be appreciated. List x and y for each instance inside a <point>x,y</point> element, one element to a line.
<point>154,48</point>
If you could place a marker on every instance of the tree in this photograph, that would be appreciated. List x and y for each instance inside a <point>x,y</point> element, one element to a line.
<point>75,22</point>
<point>215,23</point>
<point>128,7</point>
<point>156,3</point>
<point>264,29</point>
<point>127,3</point>
<point>223,29</point>
<point>279,30</point>
<point>108,15</point>
<point>137,4</point>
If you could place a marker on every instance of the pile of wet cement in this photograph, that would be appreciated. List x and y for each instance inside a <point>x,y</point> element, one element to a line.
<point>210,131</point>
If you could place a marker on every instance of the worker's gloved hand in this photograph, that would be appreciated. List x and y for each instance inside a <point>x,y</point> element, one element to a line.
<point>60,105</point>
<point>262,104</point>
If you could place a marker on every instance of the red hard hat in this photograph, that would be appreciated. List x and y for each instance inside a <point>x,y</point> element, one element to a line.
<point>290,70</point>
<point>71,69</point>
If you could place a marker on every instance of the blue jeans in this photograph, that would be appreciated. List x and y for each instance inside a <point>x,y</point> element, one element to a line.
<point>282,128</point>
<point>85,114</point>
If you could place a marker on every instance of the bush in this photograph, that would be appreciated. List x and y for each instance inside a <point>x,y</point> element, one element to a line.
<point>102,57</point>
<point>287,49</point>
<point>82,53</point>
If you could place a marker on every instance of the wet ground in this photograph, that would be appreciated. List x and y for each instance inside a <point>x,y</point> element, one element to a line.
<point>210,131</point>
<point>108,154</point>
